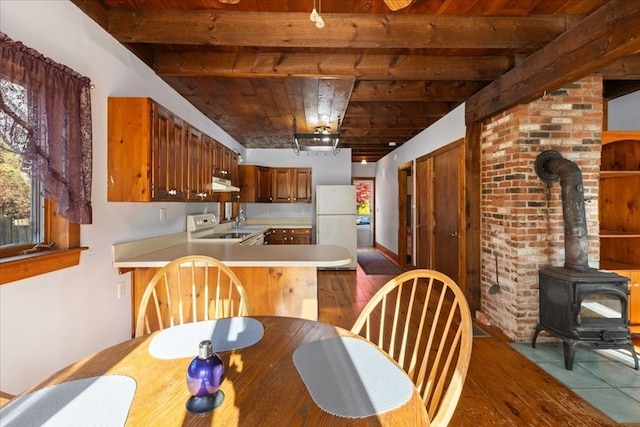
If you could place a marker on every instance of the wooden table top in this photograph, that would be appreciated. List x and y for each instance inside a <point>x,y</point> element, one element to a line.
<point>262,386</point>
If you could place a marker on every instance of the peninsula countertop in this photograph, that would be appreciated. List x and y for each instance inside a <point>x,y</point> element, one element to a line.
<point>158,251</point>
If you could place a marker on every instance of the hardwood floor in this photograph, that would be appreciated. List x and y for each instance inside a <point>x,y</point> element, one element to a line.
<point>503,388</point>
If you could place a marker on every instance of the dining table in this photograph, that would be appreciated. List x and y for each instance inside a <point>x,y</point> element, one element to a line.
<point>278,371</point>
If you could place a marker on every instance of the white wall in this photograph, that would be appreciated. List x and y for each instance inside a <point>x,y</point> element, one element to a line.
<point>445,131</point>
<point>49,321</point>
<point>363,171</point>
<point>624,112</point>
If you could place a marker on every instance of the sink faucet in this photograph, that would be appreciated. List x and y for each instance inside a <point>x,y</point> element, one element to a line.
<point>239,219</point>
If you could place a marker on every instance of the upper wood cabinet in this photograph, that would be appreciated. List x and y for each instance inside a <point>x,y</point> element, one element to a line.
<point>282,184</point>
<point>256,184</point>
<point>146,147</point>
<point>263,184</point>
<point>292,185</point>
<point>301,187</point>
<point>154,155</point>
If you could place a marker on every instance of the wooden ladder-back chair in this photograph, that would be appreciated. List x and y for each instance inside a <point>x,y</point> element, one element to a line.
<point>190,289</point>
<point>421,319</point>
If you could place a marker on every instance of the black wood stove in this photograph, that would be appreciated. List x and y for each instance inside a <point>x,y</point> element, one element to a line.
<point>580,305</point>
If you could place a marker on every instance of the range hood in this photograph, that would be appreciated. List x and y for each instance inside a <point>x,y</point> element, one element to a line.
<point>220,185</point>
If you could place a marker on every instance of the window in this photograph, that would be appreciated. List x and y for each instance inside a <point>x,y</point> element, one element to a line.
<point>21,203</point>
<point>45,156</point>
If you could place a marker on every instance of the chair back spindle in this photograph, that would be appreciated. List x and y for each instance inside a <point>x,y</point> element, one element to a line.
<point>190,289</point>
<point>421,319</point>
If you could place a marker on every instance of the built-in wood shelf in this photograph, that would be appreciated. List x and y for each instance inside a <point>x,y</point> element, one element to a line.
<point>612,233</point>
<point>618,174</point>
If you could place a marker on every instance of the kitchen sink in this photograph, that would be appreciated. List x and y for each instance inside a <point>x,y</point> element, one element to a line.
<point>248,229</point>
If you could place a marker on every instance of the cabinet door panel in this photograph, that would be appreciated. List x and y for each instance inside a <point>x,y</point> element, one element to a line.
<point>161,123</point>
<point>282,185</point>
<point>302,185</point>
<point>264,184</point>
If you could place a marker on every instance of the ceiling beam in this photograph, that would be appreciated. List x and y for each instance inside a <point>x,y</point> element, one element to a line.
<point>395,122</point>
<point>342,30</point>
<point>607,35</point>
<point>361,66</point>
<point>401,109</point>
<point>627,68</point>
<point>415,90</point>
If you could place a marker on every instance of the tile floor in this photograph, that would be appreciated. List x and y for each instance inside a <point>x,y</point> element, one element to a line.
<point>604,378</point>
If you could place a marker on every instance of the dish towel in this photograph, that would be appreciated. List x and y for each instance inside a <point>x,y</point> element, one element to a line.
<point>225,334</point>
<point>350,377</point>
<point>95,401</point>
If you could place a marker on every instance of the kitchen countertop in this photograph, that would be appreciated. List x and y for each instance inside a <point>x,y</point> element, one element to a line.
<point>158,251</point>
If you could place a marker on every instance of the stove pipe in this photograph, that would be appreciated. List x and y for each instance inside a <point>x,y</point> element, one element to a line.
<point>551,166</point>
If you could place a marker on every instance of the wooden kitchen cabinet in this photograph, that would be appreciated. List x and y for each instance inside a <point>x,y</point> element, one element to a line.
<point>200,166</point>
<point>146,149</point>
<point>301,185</point>
<point>288,236</point>
<point>263,184</point>
<point>256,184</point>
<point>620,212</point>
<point>154,155</point>
<point>292,185</point>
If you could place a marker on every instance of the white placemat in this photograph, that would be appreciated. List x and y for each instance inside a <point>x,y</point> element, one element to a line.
<point>349,377</point>
<point>97,401</point>
<point>225,334</point>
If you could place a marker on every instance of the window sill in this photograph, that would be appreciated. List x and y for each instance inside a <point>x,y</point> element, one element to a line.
<point>24,266</point>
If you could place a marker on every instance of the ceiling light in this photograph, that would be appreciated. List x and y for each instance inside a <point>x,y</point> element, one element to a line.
<point>392,144</point>
<point>315,15</point>
<point>320,140</point>
<point>364,162</point>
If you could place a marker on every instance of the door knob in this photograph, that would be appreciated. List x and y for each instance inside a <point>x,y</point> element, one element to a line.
<point>455,234</point>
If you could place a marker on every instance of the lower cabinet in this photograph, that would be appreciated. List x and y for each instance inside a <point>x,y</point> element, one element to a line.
<point>288,236</point>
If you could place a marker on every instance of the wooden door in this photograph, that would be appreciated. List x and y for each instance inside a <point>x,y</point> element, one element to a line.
<point>440,216</point>
<point>447,212</point>
<point>405,234</point>
<point>423,205</point>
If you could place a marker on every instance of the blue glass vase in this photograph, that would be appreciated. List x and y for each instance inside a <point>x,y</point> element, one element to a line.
<point>204,376</point>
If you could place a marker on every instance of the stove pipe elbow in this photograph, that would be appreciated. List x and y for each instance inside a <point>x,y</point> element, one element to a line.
<point>551,166</point>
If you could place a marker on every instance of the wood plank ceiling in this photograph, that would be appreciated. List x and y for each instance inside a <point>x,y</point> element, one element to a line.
<point>376,76</point>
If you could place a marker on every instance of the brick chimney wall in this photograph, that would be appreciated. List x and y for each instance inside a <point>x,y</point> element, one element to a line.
<point>521,217</point>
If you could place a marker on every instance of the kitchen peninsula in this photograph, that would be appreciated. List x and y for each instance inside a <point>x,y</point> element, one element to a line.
<point>279,279</point>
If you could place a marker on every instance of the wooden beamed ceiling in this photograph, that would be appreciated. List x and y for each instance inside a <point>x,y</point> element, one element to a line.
<point>377,76</point>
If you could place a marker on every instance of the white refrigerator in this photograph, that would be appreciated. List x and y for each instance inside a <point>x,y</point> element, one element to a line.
<point>336,219</point>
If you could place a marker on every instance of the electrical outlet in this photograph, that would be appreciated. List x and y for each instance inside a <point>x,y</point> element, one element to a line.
<point>121,290</point>
<point>163,214</point>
